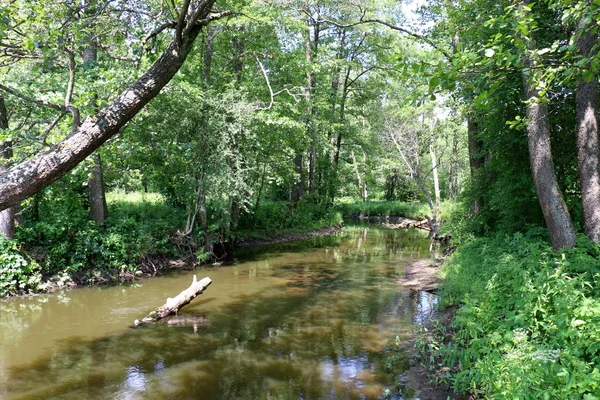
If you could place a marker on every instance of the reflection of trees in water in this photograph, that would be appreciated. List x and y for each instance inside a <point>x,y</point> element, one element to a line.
<point>321,334</point>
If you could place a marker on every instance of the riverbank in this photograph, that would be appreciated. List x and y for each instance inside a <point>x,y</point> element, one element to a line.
<point>422,275</point>
<point>423,375</point>
<point>287,237</point>
<point>151,265</point>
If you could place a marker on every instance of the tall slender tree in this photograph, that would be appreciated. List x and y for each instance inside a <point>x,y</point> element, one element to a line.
<point>554,208</point>
<point>587,132</point>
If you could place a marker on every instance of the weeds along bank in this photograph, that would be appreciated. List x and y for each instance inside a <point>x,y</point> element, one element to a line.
<point>60,246</point>
<point>528,326</point>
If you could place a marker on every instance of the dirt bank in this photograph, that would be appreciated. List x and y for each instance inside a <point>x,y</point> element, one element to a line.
<point>424,275</point>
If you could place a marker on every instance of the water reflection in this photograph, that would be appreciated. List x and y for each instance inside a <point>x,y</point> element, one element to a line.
<point>304,321</point>
<point>426,306</point>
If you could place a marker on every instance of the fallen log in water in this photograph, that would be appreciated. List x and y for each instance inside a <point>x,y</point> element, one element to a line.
<point>175,304</point>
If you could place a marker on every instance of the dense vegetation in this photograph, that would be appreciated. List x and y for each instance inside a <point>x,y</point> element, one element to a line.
<point>247,118</point>
<point>276,115</point>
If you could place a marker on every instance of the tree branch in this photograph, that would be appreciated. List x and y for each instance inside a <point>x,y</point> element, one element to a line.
<point>264,72</point>
<point>31,176</point>
<point>364,20</point>
<point>71,83</point>
<point>42,103</point>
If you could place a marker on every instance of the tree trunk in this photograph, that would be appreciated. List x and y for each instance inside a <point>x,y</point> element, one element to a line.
<point>365,192</point>
<point>587,139</point>
<point>298,186</point>
<point>7,216</point>
<point>259,194</point>
<point>549,195</point>
<point>238,45</point>
<point>476,161</point>
<point>173,305</point>
<point>98,207</point>
<point>207,59</point>
<point>31,176</point>
<point>436,183</point>
<point>310,51</point>
<point>361,185</point>
<point>97,196</point>
<point>453,169</point>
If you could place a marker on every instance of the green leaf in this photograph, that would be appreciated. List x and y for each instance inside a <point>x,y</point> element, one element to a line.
<point>489,52</point>
<point>588,76</point>
<point>434,82</point>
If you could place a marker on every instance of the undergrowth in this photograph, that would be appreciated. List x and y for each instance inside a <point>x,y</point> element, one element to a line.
<point>529,322</point>
<point>61,246</point>
<point>277,217</point>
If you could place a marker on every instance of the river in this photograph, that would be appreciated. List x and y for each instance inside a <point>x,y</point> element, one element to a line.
<point>318,319</point>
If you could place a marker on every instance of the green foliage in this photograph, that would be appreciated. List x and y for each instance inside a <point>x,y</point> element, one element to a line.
<point>349,208</point>
<point>17,273</point>
<point>529,325</point>
<point>139,225</point>
<point>275,217</point>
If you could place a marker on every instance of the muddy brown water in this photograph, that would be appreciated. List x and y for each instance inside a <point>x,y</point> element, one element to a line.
<point>319,319</point>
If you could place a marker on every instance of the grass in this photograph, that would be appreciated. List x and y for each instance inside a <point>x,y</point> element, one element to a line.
<point>529,322</point>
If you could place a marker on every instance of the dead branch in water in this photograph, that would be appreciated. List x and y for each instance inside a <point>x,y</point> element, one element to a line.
<point>173,305</point>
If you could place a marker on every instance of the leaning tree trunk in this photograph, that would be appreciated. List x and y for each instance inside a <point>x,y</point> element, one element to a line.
<point>7,216</point>
<point>31,176</point>
<point>549,195</point>
<point>587,139</point>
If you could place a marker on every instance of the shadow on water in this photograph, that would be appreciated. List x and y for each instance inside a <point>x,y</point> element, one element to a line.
<point>324,322</point>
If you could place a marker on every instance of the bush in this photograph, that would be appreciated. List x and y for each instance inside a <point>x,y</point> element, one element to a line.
<point>138,225</point>
<point>17,274</point>
<point>277,217</point>
<point>529,325</point>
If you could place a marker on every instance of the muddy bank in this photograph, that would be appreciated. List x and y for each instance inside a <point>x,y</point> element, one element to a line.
<point>424,275</point>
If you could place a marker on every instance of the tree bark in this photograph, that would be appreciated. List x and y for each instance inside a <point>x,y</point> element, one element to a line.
<point>436,182</point>
<point>453,168</point>
<point>549,195</point>
<point>97,196</point>
<point>96,193</point>
<point>310,51</point>
<point>360,183</point>
<point>298,186</point>
<point>31,176</point>
<point>476,161</point>
<point>173,305</point>
<point>587,139</point>
<point>7,216</point>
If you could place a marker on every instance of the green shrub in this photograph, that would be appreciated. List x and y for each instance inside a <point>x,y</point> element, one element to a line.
<point>278,217</point>
<point>138,224</point>
<point>529,325</point>
<point>17,274</point>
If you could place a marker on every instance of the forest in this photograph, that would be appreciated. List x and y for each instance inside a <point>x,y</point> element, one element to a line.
<point>138,132</point>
